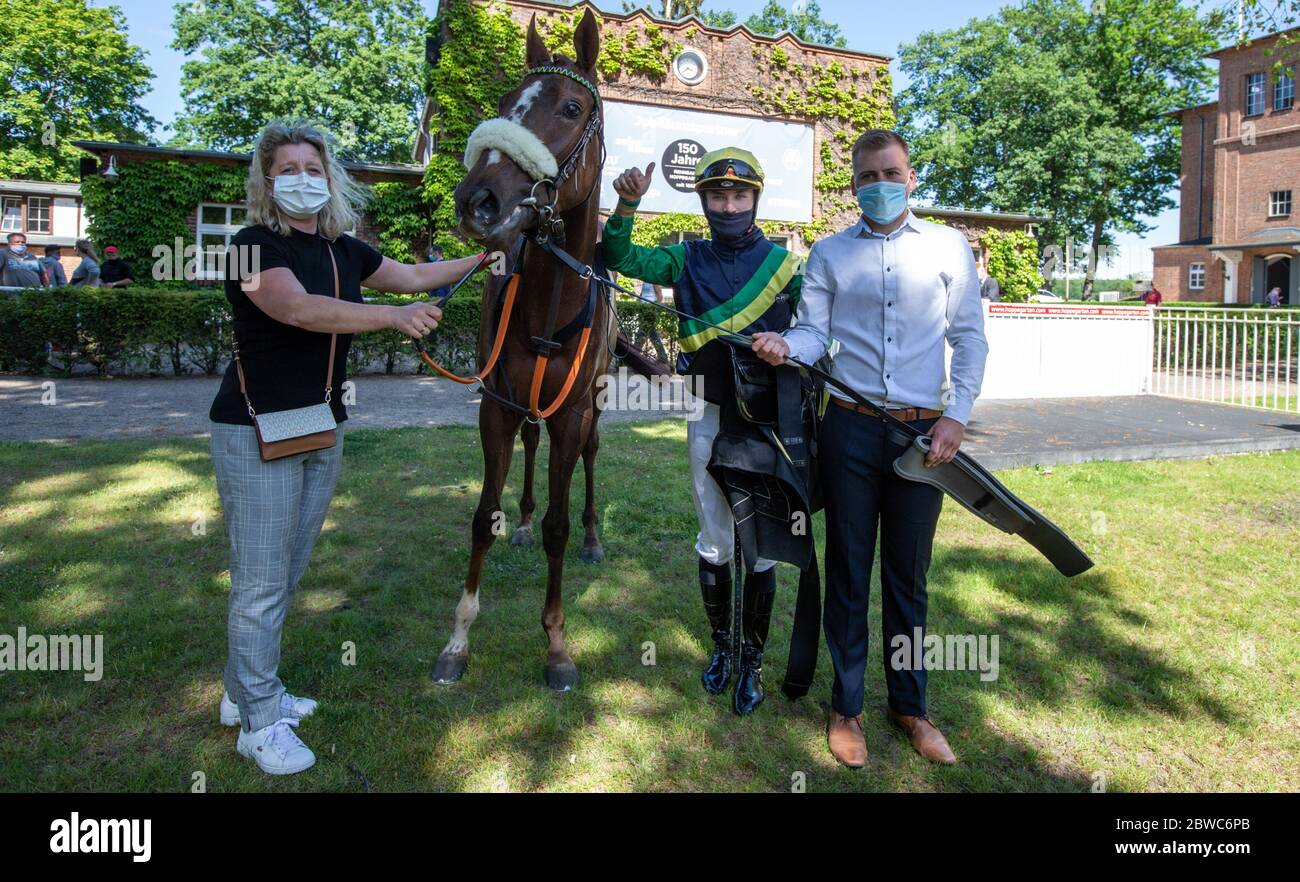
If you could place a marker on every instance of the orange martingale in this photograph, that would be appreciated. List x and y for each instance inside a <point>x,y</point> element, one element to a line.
<point>496,344</point>
<point>539,369</point>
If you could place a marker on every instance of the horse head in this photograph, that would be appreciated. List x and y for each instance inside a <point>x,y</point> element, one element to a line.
<point>539,149</point>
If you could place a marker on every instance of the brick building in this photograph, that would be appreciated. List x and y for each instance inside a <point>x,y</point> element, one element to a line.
<point>723,72</point>
<point>1239,236</point>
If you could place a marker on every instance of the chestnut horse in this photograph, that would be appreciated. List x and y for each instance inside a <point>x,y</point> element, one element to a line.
<point>537,163</point>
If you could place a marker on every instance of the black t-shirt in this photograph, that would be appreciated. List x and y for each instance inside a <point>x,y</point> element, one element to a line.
<point>114,271</point>
<point>284,366</point>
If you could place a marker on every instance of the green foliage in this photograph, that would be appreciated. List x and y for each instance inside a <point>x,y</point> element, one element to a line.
<point>1013,261</point>
<point>143,330</point>
<point>355,68</point>
<point>67,72</point>
<point>403,218</point>
<point>808,25</point>
<point>481,57</point>
<point>113,327</point>
<point>1058,108</point>
<point>149,204</point>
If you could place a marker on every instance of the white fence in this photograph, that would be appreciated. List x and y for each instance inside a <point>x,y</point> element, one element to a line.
<point>1066,350</point>
<point>1241,357</point>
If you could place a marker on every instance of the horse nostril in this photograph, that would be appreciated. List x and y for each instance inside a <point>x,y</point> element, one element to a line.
<point>484,207</point>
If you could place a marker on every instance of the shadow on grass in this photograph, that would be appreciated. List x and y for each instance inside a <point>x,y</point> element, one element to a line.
<point>383,583</point>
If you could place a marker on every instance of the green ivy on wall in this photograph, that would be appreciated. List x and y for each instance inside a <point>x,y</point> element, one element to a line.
<point>150,202</point>
<point>482,55</point>
<point>640,50</point>
<point>1013,261</point>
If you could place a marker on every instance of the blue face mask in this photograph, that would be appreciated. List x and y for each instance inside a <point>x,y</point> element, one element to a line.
<point>883,201</point>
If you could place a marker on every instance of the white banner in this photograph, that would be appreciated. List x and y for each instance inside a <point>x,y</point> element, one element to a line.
<point>674,140</point>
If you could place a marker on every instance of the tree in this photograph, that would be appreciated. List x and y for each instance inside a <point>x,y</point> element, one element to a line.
<point>803,20</point>
<point>67,72</point>
<point>1058,109</point>
<point>354,66</point>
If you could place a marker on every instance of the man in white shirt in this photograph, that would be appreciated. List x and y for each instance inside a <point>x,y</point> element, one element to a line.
<point>890,290</point>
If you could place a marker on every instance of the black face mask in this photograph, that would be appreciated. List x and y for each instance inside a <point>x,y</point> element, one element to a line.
<point>729,226</point>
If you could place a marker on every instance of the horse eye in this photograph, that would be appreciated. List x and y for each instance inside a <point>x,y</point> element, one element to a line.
<point>572,109</point>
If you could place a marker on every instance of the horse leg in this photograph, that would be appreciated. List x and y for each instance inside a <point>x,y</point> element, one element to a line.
<point>568,437</point>
<point>497,433</point>
<point>591,550</point>
<point>532,434</point>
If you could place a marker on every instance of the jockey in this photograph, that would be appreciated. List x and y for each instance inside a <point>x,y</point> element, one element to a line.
<point>740,280</point>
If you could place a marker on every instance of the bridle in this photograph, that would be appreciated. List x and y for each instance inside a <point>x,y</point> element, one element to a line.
<point>550,226</point>
<point>549,236</point>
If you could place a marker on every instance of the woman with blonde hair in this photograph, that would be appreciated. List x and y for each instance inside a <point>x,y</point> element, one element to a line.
<point>293,279</point>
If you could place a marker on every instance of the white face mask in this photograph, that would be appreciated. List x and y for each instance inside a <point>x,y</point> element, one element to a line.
<point>301,196</point>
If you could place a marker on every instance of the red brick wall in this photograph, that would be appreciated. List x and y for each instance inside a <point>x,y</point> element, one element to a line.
<point>1196,216</point>
<point>1244,173</point>
<point>1170,275</point>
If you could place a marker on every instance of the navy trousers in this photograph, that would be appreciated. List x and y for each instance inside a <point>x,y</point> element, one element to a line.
<point>863,493</point>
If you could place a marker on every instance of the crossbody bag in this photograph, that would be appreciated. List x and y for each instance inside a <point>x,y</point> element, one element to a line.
<point>284,433</point>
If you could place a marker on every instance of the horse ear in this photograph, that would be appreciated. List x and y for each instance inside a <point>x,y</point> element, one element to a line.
<point>586,41</point>
<point>537,54</point>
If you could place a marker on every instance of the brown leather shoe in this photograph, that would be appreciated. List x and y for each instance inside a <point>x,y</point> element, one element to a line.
<point>927,740</point>
<point>847,741</point>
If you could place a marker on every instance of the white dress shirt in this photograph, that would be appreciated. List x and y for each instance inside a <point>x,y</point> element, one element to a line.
<point>891,301</point>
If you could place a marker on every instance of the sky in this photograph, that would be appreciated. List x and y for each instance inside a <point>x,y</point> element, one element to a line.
<point>868,25</point>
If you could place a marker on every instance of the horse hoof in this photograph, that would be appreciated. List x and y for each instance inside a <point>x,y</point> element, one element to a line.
<point>592,554</point>
<point>450,667</point>
<point>562,677</point>
<point>523,536</point>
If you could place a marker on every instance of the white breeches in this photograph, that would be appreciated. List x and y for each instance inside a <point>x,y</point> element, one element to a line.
<point>716,541</point>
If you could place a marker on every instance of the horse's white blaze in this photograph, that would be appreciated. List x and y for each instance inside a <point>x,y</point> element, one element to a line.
<point>466,613</point>
<point>494,156</point>
<point>525,102</point>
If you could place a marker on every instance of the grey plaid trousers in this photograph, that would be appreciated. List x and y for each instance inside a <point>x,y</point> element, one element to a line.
<point>273,513</point>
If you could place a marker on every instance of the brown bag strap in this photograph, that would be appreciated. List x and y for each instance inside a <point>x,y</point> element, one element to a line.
<point>329,373</point>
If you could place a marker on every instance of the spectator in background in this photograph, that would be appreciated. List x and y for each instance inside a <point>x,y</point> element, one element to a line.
<point>1153,297</point>
<point>19,268</point>
<point>1275,296</point>
<point>114,273</point>
<point>54,273</point>
<point>990,290</point>
<point>435,256</point>
<point>87,272</point>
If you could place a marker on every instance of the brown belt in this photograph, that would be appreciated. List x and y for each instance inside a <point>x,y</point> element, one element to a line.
<point>906,414</point>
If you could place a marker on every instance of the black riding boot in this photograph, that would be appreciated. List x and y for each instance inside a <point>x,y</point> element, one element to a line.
<point>715,585</point>
<point>760,592</point>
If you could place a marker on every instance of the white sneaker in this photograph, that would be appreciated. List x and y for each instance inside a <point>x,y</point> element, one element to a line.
<point>277,749</point>
<point>291,706</point>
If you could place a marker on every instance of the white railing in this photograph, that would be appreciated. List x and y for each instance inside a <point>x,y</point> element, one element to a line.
<point>1245,357</point>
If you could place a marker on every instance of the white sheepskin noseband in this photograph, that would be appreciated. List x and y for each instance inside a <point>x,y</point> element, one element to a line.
<point>515,141</point>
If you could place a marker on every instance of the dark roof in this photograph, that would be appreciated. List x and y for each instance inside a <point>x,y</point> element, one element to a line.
<point>101,148</point>
<point>946,211</point>
<point>1180,111</point>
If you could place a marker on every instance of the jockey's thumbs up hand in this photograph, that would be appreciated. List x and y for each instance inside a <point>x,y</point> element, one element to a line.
<point>634,183</point>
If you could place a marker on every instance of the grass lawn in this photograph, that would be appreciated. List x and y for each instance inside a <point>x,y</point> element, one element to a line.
<point>1172,665</point>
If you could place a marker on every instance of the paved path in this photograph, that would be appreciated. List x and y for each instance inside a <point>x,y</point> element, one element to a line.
<point>1001,434</point>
